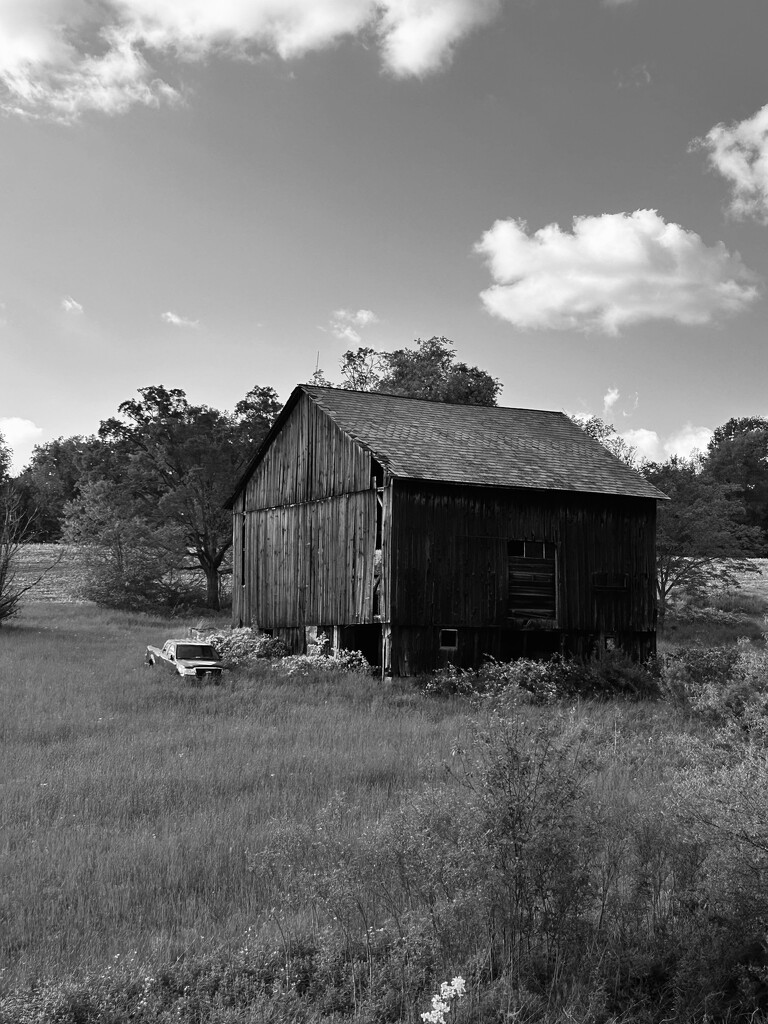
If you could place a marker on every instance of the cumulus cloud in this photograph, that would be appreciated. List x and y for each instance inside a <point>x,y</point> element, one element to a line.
<point>419,36</point>
<point>346,324</point>
<point>20,435</point>
<point>739,152</point>
<point>60,58</point>
<point>646,442</point>
<point>178,321</point>
<point>70,305</point>
<point>685,441</point>
<point>609,272</point>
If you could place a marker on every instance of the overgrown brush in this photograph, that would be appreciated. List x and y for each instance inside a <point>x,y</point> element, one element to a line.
<point>526,680</point>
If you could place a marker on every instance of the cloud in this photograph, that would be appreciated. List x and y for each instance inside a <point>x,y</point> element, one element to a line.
<point>178,321</point>
<point>684,442</point>
<point>610,398</point>
<point>20,436</point>
<point>70,305</point>
<point>61,58</point>
<point>740,153</point>
<point>346,324</point>
<point>687,440</point>
<point>419,36</point>
<point>610,272</point>
<point>636,77</point>
<point>646,442</point>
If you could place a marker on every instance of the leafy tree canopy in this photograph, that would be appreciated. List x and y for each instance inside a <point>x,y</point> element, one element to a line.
<point>182,460</point>
<point>428,371</point>
<point>702,536</point>
<point>5,460</point>
<point>609,438</point>
<point>52,478</point>
<point>737,457</point>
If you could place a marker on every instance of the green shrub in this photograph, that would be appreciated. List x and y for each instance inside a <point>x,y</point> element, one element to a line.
<point>722,684</point>
<point>240,645</point>
<point>525,680</point>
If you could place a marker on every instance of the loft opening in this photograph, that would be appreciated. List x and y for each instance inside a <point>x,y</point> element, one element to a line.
<point>532,568</point>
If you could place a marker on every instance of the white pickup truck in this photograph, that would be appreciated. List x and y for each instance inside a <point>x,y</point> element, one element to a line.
<point>192,659</point>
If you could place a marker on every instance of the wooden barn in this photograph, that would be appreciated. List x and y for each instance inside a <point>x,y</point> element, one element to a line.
<point>423,533</point>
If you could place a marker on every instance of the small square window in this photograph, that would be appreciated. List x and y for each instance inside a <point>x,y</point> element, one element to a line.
<point>449,639</point>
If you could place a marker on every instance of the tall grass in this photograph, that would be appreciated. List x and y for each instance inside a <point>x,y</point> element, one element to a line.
<point>322,849</point>
<point>139,814</point>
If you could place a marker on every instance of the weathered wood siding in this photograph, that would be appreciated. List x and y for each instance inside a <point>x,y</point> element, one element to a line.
<point>310,459</point>
<point>312,563</point>
<point>450,562</point>
<point>304,529</point>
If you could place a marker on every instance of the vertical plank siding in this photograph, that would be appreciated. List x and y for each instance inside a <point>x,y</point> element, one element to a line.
<point>311,458</point>
<point>312,563</point>
<point>450,566</point>
<point>310,530</point>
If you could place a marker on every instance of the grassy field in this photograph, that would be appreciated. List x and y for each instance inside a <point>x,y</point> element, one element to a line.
<point>141,814</point>
<point>328,848</point>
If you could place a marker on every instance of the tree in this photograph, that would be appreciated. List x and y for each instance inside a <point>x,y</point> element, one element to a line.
<point>181,462</point>
<point>363,369</point>
<point>254,417</point>
<point>14,529</point>
<point>128,561</point>
<point>702,539</point>
<point>737,457</point>
<point>5,460</point>
<point>609,438</point>
<point>53,476</point>
<point>430,371</point>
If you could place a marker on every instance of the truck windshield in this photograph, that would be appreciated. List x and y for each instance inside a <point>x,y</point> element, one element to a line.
<point>195,652</point>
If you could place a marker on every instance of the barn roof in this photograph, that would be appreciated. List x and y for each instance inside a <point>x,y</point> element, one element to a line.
<point>470,444</point>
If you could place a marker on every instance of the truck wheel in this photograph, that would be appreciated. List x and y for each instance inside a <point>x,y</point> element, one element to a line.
<point>149,661</point>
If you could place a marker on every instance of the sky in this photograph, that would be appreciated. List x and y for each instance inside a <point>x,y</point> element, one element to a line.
<point>213,196</point>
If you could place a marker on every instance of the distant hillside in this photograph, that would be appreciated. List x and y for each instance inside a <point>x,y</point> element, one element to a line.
<point>61,582</point>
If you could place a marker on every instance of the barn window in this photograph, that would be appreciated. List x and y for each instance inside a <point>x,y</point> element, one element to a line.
<point>532,579</point>
<point>449,639</point>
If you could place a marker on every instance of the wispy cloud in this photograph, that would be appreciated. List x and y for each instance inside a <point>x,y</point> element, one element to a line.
<point>739,152</point>
<point>61,58</point>
<point>346,324</point>
<point>70,305</point>
<point>610,272</point>
<point>178,321</point>
<point>610,398</point>
<point>636,78</point>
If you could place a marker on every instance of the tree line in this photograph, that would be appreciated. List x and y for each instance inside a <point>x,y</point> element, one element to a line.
<point>143,497</point>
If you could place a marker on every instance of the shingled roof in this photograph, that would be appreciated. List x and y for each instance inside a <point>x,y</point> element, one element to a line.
<point>471,444</point>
